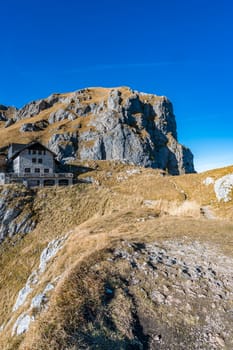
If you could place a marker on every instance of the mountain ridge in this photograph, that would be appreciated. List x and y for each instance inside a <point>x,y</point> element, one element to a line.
<point>103,124</point>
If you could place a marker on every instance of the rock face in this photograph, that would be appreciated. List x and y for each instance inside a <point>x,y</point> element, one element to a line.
<point>22,324</point>
<point>223,188</point>
<point>7,115</point>
<point>16,215</point>
<point>39,301</point>
<point>173,294</point>
<point>33,109</point>
<point>110,124</point>
<point>64,146</point>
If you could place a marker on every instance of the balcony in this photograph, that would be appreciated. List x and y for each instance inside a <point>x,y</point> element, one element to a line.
<point>39,175</point>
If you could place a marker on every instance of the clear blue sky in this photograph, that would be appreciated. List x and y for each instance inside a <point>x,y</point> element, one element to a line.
<point>179,48</point>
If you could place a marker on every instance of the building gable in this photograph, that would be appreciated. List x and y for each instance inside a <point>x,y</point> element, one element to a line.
<point>32,164</point>
<point>15,149</point>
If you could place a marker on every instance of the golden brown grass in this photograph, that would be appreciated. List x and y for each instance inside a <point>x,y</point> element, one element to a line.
<point>90,237</point>
<point>89,242</point>
<point>142,207</point>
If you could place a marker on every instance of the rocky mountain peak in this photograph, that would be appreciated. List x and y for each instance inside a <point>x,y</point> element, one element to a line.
<point>105,124</point>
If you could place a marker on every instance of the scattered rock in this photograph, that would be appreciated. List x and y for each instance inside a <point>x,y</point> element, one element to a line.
<point>158,297</point>
<point>49,252</point>
<point>184,290</point>
<point>22,296</point>
<point>150,203</point>
<point>9,122</point>
<point>38,126</point>
<point>223,188</point>
<point>208,181</point>
<point>133,172</point>
<point>22,324</point>
<point>42,298</point>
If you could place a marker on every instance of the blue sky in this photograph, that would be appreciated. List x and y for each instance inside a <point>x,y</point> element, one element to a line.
<point>181,49</point>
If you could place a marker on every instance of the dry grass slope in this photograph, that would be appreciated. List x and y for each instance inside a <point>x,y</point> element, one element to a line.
<point>123,203</point>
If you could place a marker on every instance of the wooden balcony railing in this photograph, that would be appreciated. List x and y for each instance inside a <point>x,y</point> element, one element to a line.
<point>40,175</point>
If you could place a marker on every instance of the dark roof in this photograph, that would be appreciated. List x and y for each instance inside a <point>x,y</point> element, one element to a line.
<point>16,148</point>
<point>4,150</point>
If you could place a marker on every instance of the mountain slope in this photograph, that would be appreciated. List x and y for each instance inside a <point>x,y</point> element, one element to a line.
<point>129,261</point>
<point>102,124</point>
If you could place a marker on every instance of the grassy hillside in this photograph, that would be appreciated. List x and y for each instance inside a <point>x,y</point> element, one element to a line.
<point>104,272</point>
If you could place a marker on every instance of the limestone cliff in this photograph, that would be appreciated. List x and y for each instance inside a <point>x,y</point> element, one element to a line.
<point>16,213</point>
<point>106,124</point>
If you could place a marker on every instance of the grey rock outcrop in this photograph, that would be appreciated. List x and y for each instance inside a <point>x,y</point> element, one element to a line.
<point>33,109</point>
<point>64,146</point>
<point>38,126</point>
<point>140,129</point>
<point>50,251</point>
<point>223,188</point>
<point>9,122</point>
<point>14,217</point>
<point>22,324</point>
<point>112,124</point>
<point>135,131</point>
<point>39,301</point>
<point>2,117</point>
<point>114,100</point>
<point>59,115</point>
<point>7,115</point>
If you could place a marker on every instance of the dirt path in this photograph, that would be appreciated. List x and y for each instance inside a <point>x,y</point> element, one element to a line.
<point>207,213</point>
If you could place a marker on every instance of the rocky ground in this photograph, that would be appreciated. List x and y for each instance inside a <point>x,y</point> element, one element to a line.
<point>16,214</point>
<point>181,292</point>
<point>168,295</point>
